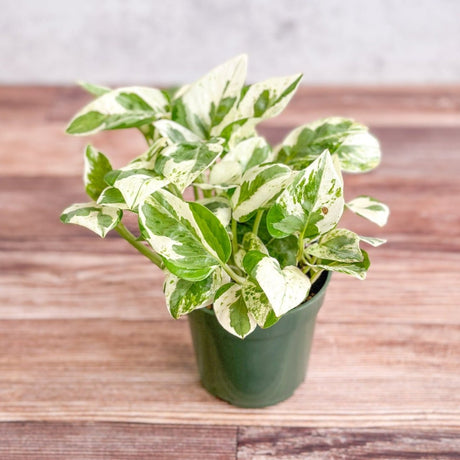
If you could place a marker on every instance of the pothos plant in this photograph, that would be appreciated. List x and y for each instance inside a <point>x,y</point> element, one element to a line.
<point>233,222</point>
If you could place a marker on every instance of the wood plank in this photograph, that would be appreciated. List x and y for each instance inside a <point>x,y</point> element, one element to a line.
<point>257,443</point>
<point>112,441</point>
<point>127,370</point>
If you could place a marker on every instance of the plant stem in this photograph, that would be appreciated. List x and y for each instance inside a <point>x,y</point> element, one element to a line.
<point>195,193</point>
<point>315,277</point>
<point>255,228</point>
<point>234,237</point>
<point>131,239</point>
<point>174,190</point>
<point>300,256</point>
<point>239,279</point>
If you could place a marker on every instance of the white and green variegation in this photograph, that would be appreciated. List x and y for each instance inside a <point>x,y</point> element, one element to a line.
<point>231,311</point>
<point>183,296</point>
<point>285,288</point>
<point>356,149</point>
<point>311,205</point>
<point>237,226</point>
<point>97,218</point>
<point>259,186</point>
<point>371,209</point>
<point>128,107</point>
<point>189,237</point>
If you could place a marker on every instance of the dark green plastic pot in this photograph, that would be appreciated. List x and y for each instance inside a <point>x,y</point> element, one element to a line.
<point>264,368</point>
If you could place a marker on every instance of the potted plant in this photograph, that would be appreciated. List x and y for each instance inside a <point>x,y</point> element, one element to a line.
<point>246,234</point>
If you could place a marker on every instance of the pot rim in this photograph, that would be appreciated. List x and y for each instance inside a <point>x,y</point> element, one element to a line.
<point>301,306</point>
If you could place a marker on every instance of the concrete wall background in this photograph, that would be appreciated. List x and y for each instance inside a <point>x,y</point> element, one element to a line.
<point>161,41</point>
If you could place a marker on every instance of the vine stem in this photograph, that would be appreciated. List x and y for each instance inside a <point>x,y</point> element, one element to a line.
<point>300,248</point>
<point>255,228</point>
<point>234,237</point>
<point>131,239</point>
<point>239,279</point>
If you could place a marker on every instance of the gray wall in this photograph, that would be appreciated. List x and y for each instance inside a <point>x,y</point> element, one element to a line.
<point>161,41</point>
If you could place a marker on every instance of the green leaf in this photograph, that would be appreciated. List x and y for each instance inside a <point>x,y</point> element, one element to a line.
<point>220,207</point>
<point>188,236</point>
<point>311,205</point>
<point>112,197</point>
<point>204,105</point>
<point>95,90</point>
<point>183,296</point>
<point>182,163</point>
<point>338,244</point>
<point>232,312</point>
<point>285,288</point>
<point>99,219</point>
<point>356,148</point>
<point>283,250</point>
<point>371,209</point>
<point>96,167</point>
<point>356,269</point>
<point>121,108</point>
<point>260,185</point>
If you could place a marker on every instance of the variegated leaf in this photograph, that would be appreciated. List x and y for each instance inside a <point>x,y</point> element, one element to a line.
<point>95,90</point>
<point>112,197</point>
<point>284,250</point>
<point>188,236</point>
<point>338,244</point>
<point>182,163</point>
<point>356,148</point>
<point>135,183</point>
<point>245,155</point>
<point>99,219</point>
<point>356,269</point>
<point>232,312</point>
<point>285,288</point>
<point>260,185</point>
<point>268,98</point>
<point>96,167</point>
<point>175,132</point>
<point>204,105</point>
<point>371,209</point>
<point>121,108</point>
<point>372,240</point>
<point>183,296</point>
<point>251,242</point>
<point>258,305</point>
<point>311,205</point>
<point>220,207</point>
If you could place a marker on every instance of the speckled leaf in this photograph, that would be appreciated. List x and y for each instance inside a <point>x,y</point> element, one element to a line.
<point>99,219</point>
<point>121,108</point>
<point>356,269</point>
<point>188,236</point>
<point>184,296</point>
<point>258,305</point>
<point>260,185</point>
<point>232,312</point>
<point>356,148</point>
<point>285,288</point>
<point>251,242</point>
<point>96,167</point>
<point>338,244</point>
<point>182,163</point>
<point>311,205</point>
<point>204,105</point>
<point>371,209</point>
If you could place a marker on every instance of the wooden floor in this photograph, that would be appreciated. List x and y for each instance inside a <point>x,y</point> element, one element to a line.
<point>92,366</point>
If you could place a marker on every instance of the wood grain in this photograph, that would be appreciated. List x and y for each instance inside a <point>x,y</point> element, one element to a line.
<point>256,443</point>
<point>114,441</point>
<point>88,350</point>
